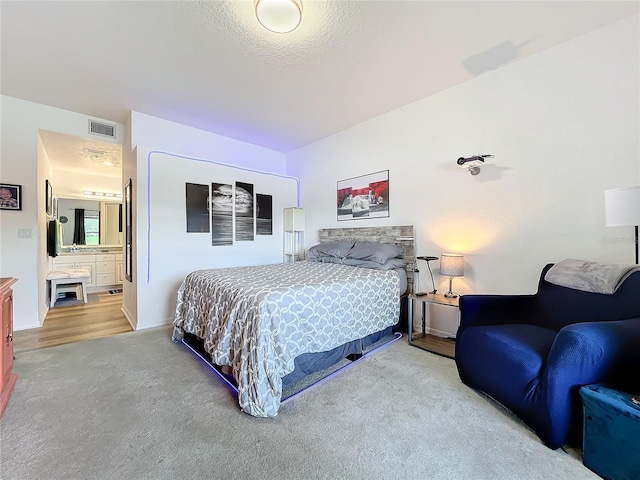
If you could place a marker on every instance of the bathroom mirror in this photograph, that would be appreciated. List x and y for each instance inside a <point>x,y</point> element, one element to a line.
<point>101,221</point>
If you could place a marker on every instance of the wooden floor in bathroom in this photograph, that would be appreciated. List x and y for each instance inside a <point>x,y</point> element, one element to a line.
<point>74,324</point>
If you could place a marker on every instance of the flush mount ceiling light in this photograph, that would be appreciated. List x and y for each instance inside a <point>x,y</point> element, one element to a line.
<point>279,16</point>
<point>94,153</point>
<point>95,157</point>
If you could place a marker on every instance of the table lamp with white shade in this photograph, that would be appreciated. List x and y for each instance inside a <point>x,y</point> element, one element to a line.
<point>452,265</point>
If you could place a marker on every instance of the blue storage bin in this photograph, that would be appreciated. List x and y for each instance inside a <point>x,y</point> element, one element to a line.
<point>611,445</point>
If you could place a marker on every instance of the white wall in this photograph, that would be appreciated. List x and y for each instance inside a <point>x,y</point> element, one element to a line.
<point>25,258</point>
<point>72,184</point>
<point>177,138</point>
<point>130,172</point>
<point>164,252</point>
<point>44,172</point>
<point>563,126</point>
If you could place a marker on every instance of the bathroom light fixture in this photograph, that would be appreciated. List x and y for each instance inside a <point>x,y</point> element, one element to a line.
<point>102,194</point>
<point>279,16</point>
<point>451,265</point>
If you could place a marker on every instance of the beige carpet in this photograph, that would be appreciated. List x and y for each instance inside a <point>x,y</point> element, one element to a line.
<point>136,406</point>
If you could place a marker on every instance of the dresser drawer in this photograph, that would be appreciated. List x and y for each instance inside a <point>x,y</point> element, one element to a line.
<point>105,279</point>
<point>106,257</point>
<point>105,267</point>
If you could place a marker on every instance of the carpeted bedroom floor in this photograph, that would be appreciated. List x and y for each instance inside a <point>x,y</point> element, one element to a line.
<point>138,406</point>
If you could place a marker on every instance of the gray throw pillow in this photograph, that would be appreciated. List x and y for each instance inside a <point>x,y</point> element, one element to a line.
<point>335,248</point>
<point>375,252</point>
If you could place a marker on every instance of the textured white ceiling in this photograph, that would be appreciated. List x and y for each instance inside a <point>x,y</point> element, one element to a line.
<point>209,64</point>
<point>69,153</point>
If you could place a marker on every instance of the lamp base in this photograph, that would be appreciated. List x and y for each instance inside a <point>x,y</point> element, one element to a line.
<point>450,294</point>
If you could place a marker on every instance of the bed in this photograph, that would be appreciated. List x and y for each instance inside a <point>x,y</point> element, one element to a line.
<point>267,327</point>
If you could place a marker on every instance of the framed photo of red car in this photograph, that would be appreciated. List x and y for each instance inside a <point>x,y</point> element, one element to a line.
<point>362,197</point>
<point>10,196</point>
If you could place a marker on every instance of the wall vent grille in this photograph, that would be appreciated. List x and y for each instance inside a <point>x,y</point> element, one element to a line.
<point>104,129</point>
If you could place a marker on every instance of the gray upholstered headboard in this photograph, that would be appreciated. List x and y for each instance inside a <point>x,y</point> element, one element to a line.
<point>397,235</point>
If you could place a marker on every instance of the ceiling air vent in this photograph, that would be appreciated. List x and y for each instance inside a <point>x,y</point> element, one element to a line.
<point>104,129</point>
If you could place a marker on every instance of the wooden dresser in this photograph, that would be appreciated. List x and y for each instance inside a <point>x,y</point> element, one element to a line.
<point>7,377</point>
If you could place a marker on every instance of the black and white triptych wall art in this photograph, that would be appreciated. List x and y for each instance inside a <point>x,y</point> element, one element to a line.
<point>244,211</point>
<point>221,214</point>
<point>264,214</point>
<point>197,208</point>
<point>215,210</point>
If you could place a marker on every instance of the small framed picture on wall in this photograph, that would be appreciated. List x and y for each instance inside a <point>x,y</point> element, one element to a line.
<point>366,196</point>
<point>10,196</point>
<point>48,197</point>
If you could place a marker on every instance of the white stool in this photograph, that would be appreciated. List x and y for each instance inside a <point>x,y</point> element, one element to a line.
<point>68,280</point>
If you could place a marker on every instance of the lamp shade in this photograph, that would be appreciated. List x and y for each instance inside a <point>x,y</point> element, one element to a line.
<point>622,207</point>
<point>452,265</point>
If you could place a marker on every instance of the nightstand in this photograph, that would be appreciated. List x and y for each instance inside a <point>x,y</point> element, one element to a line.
<point>432,343</point>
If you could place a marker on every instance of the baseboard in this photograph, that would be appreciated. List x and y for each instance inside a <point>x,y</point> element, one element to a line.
<point>103,288</point>
<point>160,323</point>
<point>130,318</point>
<point>439,333</point>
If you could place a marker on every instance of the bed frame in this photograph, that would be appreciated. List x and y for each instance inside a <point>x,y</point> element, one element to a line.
<point>396,235</point>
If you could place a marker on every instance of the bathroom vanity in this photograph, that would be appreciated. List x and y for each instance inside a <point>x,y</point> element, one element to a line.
<point>105,265</point>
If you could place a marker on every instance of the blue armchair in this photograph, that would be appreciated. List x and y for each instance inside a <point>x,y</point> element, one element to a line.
<point>532,353</point>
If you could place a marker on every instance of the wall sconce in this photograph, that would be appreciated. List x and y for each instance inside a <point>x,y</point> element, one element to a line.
<point>279,16</point>
<point>622,209</point>
<point>451,265</point>
<point>472,164</point>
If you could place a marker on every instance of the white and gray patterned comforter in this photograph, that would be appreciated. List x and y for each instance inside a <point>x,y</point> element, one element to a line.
<point>259,319</point>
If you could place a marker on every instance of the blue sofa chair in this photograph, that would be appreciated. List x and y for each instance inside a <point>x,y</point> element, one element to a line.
<point>532,353</point>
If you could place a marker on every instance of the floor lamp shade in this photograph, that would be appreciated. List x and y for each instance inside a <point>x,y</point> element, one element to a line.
<point>622,209</point>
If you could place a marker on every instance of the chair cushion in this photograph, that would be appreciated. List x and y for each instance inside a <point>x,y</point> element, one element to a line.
<point>505,361</point>
<point>78,273</point>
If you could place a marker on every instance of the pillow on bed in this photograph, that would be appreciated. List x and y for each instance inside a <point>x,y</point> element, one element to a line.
<point>375,252</point>
<point>335,248</point>
<point>325,259</point>
<point>390,264</point>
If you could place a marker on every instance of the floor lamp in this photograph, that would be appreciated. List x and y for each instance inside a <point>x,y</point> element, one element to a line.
<point>622,209</point>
